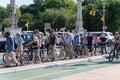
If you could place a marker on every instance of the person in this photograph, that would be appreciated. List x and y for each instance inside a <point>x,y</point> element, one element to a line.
<point>89,41</point>
<point>117,36</point>
<point>68,45</point>
<point>117,40</point>
<point>19,42</point>
<point>62,43</point>
<point>42,41</point>
<point>84,48</point>
<point>52,39</point>
<point>10,50</point>
<point>35,49</point>
<point>46,39</point>
<point>36,34</point>
<point>76,42</point>
<point>103,41</point>
<point>95,43</point>
<point>42,46</point>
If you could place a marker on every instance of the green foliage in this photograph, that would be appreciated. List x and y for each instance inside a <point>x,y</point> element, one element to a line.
<point>23,20</point>
<point>62,13</point>
<point>3,14</point>
<point>5,22</point>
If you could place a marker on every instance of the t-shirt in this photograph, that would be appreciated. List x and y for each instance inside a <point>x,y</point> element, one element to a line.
<point>89,40</point>
<point>52,39</point>
<point>39,37</point>
<point>68,39</point>
<point>9,45</point>
<point>18,41</point>
<point>76,41</point>
<point>103,39</point>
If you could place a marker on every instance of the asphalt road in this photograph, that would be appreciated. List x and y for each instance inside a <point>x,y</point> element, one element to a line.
<point>59,71</point>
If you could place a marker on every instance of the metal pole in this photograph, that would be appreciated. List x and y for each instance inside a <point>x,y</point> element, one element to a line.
<point>104,16</point>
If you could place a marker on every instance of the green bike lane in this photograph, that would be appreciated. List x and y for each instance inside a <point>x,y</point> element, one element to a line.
<point>51,73</point>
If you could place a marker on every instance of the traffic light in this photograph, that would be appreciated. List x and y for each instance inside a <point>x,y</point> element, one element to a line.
<point>102,18</point>
<point>92,12</point>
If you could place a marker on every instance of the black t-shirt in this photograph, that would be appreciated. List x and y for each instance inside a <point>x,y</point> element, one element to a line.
<point>89,40</point>
<point>52,39</point>
<point>103,39</point>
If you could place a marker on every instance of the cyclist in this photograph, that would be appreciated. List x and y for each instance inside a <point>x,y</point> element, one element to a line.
<point>103,42</point>
<point>19,42</point>
<point>62,44</point>
<point>95,43</point>
<point>36,33</point>
<point>84,48</point>
<point>10,50</point>
<point>89,42</point>
<point>35,49</point>
<point>52,39</point>
<point>117,40</point>
<point>68,45</point>
<point>76,43</point>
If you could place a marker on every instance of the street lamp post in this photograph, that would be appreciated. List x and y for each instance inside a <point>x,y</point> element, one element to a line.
<point>101,14</point>
<point>104,16</point>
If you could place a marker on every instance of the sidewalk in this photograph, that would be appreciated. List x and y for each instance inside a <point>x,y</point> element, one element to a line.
<point>108,73</point>
<point>46,65</point>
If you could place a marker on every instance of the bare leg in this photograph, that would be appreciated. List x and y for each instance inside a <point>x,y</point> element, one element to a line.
<point>39,59</point>
<point>33,57</point>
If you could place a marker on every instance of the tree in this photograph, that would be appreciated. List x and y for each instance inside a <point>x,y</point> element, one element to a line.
<point>113,11</point>
<point>23,20</point>
<point>3,14</point>
<point>5,22</point>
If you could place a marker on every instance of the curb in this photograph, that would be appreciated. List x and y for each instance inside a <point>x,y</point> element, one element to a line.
<point>47,65</point>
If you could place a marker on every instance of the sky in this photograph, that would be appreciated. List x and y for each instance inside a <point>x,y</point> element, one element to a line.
<point>18,2</point>
<point>4,3</point>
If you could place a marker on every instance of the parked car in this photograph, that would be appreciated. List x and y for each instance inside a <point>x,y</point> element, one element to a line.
<point>28,36</point>
<point>2,45</point>
<point>108,35</point>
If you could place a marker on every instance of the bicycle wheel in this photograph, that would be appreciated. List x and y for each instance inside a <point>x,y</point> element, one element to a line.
<point>118,55</point>
<point>50,56</point>
<point>111,55</point>
<point>26,57</point>
<point>3,58</point>
<point>75,52</point>
<point>62,55</point>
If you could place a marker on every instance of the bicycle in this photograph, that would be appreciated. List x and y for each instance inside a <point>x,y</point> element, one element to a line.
<point>114,53</point>
<point>25,58</point>
<point>85,50</point>
<point>62,54</point>
<point>76,51</point>
<point>52,53</point>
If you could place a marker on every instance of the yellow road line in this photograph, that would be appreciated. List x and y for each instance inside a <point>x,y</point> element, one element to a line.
<point>55,73</point>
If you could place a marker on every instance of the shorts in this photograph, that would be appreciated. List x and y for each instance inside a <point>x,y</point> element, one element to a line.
<point>35,50</point>
<point>20,48</point>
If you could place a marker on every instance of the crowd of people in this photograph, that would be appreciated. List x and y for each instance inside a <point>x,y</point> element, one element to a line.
<point>48,41</point>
